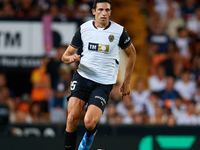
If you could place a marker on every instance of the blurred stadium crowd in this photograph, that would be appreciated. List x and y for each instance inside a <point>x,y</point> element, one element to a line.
<point>172,96</point>
<point>60,10</point>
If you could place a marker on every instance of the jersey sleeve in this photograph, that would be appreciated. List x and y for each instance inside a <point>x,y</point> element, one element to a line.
<point>76,40</point>
<point>125,40</point>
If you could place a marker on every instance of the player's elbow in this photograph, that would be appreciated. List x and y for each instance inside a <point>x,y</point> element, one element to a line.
<point>63,58</point>
<point>133,53</point>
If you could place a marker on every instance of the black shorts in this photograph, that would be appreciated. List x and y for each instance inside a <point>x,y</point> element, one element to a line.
<point>89,91</point>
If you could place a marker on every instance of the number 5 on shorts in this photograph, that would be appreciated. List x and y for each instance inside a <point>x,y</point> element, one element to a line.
<point>73,85</point>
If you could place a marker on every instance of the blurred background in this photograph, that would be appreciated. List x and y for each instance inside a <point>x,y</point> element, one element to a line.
<point>164,104</point>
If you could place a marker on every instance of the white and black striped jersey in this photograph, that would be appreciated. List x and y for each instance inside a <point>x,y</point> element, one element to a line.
<point>100,56</point>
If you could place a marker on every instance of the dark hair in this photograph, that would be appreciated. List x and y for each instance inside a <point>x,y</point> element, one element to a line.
<point>178,97</point>
<point>179,29</point>
<point>193,102</point>
<point>100,1</point>
<point>157,94</point>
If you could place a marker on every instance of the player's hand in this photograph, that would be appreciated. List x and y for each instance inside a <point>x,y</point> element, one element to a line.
<point>75,58</point>
<point>125,90</point>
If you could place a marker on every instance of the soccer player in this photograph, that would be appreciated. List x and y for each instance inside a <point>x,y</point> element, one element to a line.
<point>100,40</point>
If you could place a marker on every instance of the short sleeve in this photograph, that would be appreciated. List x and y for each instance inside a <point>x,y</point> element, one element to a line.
<point>125,40</point>
<point>76,40</point>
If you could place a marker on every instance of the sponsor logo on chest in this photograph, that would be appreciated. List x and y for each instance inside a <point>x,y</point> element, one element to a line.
<point>98,47</point>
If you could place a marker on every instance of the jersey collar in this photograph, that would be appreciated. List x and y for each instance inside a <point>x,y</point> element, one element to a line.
<point>104,28</point>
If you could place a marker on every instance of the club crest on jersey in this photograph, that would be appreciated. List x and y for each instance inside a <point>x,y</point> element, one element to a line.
<point>111,38</point>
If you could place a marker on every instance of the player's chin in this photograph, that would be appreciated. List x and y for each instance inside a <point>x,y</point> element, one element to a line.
<point>103,22</point>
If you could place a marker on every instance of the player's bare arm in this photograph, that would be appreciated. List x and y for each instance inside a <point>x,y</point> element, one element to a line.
<point>130,63</point>
<point>69,56</point>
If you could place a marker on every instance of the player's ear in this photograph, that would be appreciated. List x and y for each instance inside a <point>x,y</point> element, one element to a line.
<point>93,11</point>
<point>110,11</point>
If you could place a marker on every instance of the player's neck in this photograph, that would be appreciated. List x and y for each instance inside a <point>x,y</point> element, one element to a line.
<point>98,25</point>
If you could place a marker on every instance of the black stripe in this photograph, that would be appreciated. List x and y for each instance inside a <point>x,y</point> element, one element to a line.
<point>104,28</point>
<point>94,24</point>
<point>74,46</point>
<point>108,25</point>
<point>117,61</point>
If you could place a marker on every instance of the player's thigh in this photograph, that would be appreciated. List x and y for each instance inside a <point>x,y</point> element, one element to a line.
<point>75,107</point>
<point>92,115</point>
